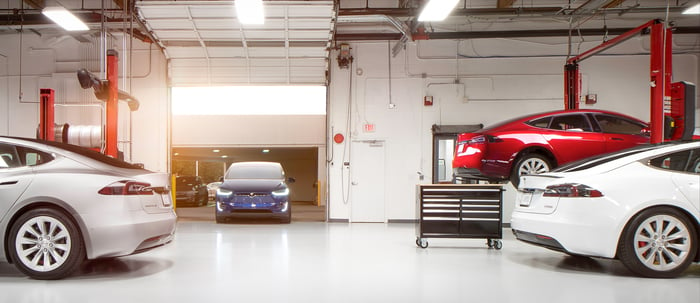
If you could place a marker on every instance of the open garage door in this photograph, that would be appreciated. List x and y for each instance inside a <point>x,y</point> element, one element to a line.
<point>207,45</point>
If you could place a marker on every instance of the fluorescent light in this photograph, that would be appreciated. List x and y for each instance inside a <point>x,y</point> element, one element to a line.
<point>693,10</point>
<point>216,150</point>
<point>250,11</point>
<point>437,10</point>
<point>224,156</point>
<point>64,18</point>
<point>265,151</point>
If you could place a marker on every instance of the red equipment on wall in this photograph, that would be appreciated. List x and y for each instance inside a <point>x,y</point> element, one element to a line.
<point>660,76</point>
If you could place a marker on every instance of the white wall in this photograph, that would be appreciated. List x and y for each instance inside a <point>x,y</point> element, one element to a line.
<point>51,62</point>
<point>472,82</point>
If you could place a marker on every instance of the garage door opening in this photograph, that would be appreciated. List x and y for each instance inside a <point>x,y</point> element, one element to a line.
<point>213,127</point>
<point>210,163</point>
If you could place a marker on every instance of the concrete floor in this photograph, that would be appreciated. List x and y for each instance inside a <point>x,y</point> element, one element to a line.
<point>340,262</point>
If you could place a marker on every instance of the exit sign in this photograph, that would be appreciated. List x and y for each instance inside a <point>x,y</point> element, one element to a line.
<point>368,128</point>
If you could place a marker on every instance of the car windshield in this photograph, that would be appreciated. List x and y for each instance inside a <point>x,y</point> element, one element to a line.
<point>255,172</point>
<point>602,159</point>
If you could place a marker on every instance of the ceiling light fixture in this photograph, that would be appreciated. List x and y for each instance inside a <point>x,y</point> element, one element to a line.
<point>216,150</point>
<point>224,156</point>
<point>693,10</point>
<point>250,11</point>
<point>265,151</point>
<point>437,10</point>
<point>64,18</point>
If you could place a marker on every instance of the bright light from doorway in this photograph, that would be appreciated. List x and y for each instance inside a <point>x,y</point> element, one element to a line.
<point>249,100</point>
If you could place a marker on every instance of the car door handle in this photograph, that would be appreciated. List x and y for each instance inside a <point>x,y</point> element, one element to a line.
<point>9,182</point>
<point>617,139</point>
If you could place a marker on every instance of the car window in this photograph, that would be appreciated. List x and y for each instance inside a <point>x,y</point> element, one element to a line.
<point>541,122</point>
<point>17,156</point>
<point>684,161</point>
<point>570,123</point>
<point>619,125</point>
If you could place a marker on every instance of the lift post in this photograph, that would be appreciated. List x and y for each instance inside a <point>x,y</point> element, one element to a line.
<point>660,66</point>
<point>112,107</point>
<point>47,99</point>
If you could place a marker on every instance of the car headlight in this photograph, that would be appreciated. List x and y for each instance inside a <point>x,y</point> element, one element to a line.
<point>281,192</point>
<point>223,192</point>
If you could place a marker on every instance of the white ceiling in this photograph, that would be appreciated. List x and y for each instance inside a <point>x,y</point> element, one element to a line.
<point>207,45</point>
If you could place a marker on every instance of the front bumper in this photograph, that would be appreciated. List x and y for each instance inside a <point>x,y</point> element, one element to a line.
<point>253,210</point>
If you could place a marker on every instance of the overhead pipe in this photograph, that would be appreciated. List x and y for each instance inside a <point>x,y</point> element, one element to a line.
<point>501,34</point>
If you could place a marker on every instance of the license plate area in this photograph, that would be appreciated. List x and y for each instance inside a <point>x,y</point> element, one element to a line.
<point>524,199</point>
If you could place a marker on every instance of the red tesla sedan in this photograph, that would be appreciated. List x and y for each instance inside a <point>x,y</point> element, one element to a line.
<point>540,142</point>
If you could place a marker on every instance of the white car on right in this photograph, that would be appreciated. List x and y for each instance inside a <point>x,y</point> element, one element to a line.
<point>640,206</point>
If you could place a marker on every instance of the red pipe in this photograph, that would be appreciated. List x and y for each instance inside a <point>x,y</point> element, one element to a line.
<point>658,82</point>
<point>46,113</point>
<point>112,109</point>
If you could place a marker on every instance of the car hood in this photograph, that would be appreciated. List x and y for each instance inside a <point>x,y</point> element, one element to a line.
<point>253,185</point>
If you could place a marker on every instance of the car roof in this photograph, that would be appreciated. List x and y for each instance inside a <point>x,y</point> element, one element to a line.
<point>529,117</point>
<point>69,150</point>
<point>629,155</point>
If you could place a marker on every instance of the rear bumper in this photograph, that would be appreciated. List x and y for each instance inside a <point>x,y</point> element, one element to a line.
<point>132,232</point>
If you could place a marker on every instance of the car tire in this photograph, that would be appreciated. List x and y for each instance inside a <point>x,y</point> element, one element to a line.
<point>529,164</point>
<point>45,244</point>
<point>644,247</point>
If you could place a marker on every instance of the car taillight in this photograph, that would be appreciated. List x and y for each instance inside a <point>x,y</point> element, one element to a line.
<point>572,191</point>
<point>126,188</point>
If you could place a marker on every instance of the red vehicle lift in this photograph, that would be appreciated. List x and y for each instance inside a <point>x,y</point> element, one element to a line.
<point>105,90</point>
<point>678,114</point>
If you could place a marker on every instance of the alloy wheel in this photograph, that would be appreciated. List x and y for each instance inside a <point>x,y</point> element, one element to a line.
<point>533,166</point>
<point>662,242</point>
<point>43,243</point>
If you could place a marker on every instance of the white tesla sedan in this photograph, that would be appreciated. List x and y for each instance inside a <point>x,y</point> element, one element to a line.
<point>641,206</point>
<point>61,204</point>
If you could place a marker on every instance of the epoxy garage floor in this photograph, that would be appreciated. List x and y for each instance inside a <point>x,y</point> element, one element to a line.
<point>340,262</point>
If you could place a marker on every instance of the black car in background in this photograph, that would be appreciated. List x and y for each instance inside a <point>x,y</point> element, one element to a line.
<point>190,190</point>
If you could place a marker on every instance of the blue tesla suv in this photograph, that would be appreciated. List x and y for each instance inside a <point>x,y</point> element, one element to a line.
<point>254,190</point>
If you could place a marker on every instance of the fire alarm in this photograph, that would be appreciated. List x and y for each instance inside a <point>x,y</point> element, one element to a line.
<point>338,138</point>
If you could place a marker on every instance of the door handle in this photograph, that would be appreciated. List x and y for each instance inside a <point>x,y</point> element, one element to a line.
<point>617,139</point>
<point>9,182</point>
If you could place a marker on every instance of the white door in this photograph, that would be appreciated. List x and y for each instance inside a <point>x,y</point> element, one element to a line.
<point>367,179</point>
